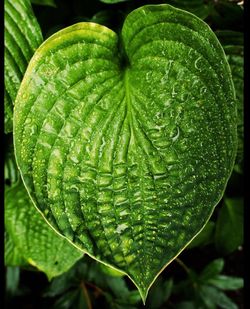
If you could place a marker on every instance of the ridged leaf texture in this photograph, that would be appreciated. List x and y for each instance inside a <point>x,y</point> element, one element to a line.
<point>126,142</point>
<point>32,239</point>
<point>22,36</point>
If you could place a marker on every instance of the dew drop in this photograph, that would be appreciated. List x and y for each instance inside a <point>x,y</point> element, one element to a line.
<point>121,227</point>
<point>177,135</point>
<point>196,63</point>
<point>28,121</point>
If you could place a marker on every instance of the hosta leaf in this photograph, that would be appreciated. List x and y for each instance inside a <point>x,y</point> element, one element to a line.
<point>126,143</point>
<point>33,238</point>
<point>22,36</point>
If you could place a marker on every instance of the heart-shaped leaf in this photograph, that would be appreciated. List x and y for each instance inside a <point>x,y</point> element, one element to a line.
<point>33,238</point>
<point>126,143</point>
<point>22,36</point>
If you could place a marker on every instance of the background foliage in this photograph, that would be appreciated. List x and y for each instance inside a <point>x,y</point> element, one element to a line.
<point>208,274</point>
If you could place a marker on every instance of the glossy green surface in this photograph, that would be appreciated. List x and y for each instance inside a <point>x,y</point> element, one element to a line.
<point>126,143</point>
<point>22,36</point>
<point>32,238</point>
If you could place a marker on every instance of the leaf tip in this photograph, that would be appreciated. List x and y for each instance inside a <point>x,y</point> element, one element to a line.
<point>144,294</point>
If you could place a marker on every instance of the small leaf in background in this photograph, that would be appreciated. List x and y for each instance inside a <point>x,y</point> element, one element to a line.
<point>205,237</point>
<point>22,36</point>
<point>212,269</point>
<point>206,289</point>
<point>226,282</point>
<point>229,226</point>
<point>33,237</point>
<point>159,293</point>
<point>12,280</point>
<point>87,276</point>
<point>109,18</point>
<point>214,298</point>
<point>44,2</point>
<point>103,17</point>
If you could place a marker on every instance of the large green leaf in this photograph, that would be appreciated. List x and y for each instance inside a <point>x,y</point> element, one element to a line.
<point>33,239</point>
<point>126,143</point>
<point>22,36</point>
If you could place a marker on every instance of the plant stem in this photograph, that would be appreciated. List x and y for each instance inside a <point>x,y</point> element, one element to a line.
<point>85,292</point>
<point>183,265</point>
<point>100,291</point>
